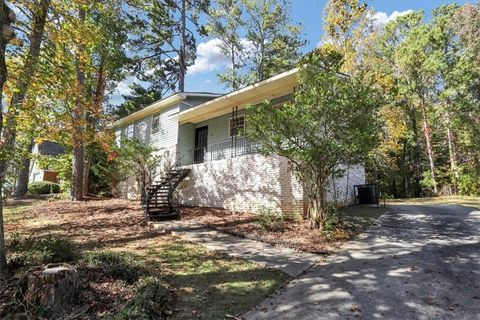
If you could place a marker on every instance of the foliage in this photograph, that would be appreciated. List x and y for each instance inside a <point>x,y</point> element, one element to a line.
<point>275,41</point>
<point>269,220</point>
<point>428,72</point>
<point>331,121</point>
<point>151,299</point>
<point>138,99</point>
<point>257,38</point>
<point>32,251</point>
<point>133,158</point>
<point>120,265</point>
<point>61,164</point>
<point>43,187</point>
<point>225,23</point>
<point>163,41</point>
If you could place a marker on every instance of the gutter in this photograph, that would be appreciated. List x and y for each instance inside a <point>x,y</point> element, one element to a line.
<point>151,109</point>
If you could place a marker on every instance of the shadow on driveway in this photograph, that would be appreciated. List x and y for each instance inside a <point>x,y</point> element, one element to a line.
<point>418,262</point>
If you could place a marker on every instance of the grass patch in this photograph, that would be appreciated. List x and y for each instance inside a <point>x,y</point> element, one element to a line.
<point>455,200</point>
<point>211,285</point>
<point>32,251</point>
<point>151,301</point>
<point>13,211</point>
<point>120,265</point>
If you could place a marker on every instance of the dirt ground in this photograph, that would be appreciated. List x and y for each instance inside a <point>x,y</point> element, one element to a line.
<point>206,284</point>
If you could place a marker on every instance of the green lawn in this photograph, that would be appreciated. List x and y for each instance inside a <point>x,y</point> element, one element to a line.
<point>212,285</point>
<point>457,200</point>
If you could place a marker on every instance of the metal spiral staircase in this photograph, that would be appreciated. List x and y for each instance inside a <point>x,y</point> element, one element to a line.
<point>158,202</point>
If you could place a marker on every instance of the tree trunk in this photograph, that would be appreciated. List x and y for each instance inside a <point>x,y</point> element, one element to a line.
<point>416,155</point>
<point>78,118</point>
<point>183,42</point>
<point>21,188</point>
<point>452,152</point>
<point>52,288</point>
<point>86,173</point>
<point>6,18</point>
<point>428,140</point>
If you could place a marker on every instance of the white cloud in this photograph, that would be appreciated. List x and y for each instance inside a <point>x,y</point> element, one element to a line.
<point>380,19</point>
<point>209,57</point>
<point>122,89</point>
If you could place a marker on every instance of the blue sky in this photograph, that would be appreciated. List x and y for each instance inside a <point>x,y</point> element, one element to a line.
<point>203,75</point>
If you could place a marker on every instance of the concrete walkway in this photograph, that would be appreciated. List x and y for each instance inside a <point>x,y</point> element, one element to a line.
<point>420,262</point>
<point>287,260</point>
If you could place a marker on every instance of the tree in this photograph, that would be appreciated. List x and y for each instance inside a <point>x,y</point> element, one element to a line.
<point>22,85</point>
<point>274,42</point>
<point>330,122</point>
<point>164,40</point>
<point>226,23</point>
<point>139,98</point>
<point>133,159</point>
<point>87,47</point>
<point>445,59</point>
<point>346,25</point>
<point>7,17</point>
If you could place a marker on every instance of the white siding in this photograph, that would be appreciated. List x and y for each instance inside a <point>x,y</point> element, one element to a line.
<point>168,132</point>
<point>142,129</point>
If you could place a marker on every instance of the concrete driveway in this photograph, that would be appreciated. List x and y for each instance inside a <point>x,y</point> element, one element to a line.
<point>419,262</point>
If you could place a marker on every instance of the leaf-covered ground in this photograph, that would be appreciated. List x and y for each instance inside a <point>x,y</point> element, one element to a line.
<point>205,284</point>
<point>294,234</point>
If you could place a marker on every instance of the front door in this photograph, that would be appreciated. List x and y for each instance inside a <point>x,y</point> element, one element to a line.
<point>201,141</point>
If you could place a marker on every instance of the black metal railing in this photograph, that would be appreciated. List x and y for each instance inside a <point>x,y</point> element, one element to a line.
<point>218,151</point>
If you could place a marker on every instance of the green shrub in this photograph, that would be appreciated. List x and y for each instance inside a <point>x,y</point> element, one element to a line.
<point>270,220</point>
<point>121,265</point>
<point>33,251</point>
<point>43,187</point>
<point>152,297</point>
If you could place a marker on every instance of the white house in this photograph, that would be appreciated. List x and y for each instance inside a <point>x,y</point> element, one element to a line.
<point>204,132</point>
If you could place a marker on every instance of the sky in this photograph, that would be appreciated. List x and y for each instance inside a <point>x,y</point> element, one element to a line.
<point>202,76</point>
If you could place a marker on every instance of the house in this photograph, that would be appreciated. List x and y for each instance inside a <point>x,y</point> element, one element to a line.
<point>206,133</point>
<point>39,172</point>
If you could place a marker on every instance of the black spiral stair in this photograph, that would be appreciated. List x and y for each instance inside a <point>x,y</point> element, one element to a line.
<point>158,203</point>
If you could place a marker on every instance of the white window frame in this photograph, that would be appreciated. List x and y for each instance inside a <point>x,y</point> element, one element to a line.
<point>156,129</point>
<point>242,134</point>
<point>130,131</point>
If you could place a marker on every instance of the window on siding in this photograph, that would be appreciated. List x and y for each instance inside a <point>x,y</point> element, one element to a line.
<point>129,131</point>
<point>237,126</point>
<point>156,123</point>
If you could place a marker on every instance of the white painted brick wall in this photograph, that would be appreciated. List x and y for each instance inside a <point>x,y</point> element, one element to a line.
<point>249,183</point>
<point>246,184</point>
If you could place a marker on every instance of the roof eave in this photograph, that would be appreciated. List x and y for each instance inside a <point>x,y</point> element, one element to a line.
<point>215,107</point>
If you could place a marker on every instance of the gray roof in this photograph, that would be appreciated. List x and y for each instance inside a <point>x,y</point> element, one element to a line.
<point>50,148</point>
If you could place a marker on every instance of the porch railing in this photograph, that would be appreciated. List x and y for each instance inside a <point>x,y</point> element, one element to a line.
<point>218,151</point>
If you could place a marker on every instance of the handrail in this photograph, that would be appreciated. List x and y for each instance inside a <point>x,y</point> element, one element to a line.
<point>217,151</point>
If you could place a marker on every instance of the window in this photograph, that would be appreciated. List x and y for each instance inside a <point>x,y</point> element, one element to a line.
<point>129,131</point>
<point>237,127</point>
<point>156,123</point>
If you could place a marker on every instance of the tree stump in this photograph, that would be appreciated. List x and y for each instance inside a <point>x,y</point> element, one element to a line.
<point>52,288</point>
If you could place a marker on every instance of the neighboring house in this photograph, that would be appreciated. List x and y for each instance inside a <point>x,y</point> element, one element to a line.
<point>39,173</point>
<point>205,133</point>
